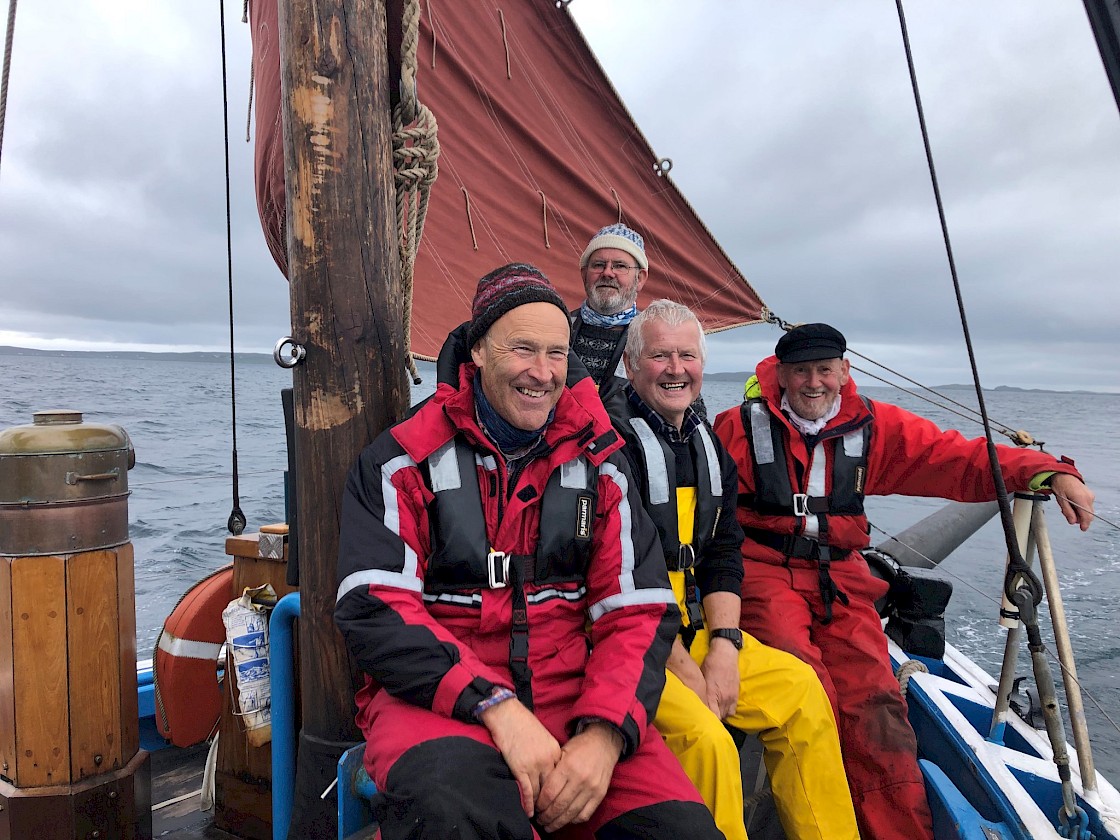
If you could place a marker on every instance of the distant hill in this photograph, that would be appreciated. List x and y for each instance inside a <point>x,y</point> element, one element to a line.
<point>249,358</point>
<point>140,355</point>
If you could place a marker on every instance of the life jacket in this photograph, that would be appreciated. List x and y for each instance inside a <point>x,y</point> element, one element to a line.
<point>461,556</point>
<point>774,494</point>
<point>463,559</point>
<point>656,465</point>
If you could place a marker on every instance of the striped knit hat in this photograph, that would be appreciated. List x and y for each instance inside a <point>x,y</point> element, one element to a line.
<point>617,236</point>
<point>507,288</point>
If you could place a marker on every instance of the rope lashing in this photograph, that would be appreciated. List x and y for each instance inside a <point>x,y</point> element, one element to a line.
<point>415,166</point>
<point>906,670</point>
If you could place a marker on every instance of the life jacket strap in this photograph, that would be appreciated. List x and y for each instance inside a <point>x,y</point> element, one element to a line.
<point>520,567</point>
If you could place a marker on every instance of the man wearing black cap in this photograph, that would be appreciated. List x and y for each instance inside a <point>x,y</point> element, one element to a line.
<point>503,589</point>
<point>809,449</point>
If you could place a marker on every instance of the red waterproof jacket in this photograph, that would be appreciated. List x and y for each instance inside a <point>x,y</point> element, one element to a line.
<point>908,455</point>
<point>610,628</point>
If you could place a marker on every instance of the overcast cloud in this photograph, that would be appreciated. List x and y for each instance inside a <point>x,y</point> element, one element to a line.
<point>792,131</point>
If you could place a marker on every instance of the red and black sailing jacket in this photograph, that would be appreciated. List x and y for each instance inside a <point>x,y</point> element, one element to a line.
<point>432,616</point>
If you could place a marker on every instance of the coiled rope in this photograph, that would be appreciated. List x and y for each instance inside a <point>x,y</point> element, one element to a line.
<point>415,156</point>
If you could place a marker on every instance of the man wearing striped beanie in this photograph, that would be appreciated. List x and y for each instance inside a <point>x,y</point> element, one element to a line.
<point>614,268</point>
<point>506,594</point>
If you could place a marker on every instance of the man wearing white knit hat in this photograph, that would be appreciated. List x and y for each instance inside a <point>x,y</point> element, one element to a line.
<point>614,268</point>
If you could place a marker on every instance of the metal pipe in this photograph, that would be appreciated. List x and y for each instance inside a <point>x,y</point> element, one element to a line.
<point>926,543</point>
<point>282,669</point>
<point>1009,618</point>
<point>1065,651</point>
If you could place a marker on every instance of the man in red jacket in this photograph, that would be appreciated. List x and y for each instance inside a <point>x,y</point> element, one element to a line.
<point>501,583</point>
<point>809,449</point>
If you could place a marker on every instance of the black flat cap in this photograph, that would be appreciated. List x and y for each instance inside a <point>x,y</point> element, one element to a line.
<point>809,343</point>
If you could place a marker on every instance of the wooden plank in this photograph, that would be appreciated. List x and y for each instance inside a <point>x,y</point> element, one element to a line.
<point>39,660</point>
<point>126,627</point>
<point>95,661</point>
<point>7,674</point>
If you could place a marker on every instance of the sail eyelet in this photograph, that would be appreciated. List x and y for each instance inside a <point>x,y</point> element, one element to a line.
<point>662,167</point>
<point>295,355</point>
<point>563,4</point>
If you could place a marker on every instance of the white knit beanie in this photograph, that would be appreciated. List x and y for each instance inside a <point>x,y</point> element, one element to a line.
<point>617,236</point>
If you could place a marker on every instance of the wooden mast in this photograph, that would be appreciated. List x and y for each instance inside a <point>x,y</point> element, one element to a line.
<point>347,312</point>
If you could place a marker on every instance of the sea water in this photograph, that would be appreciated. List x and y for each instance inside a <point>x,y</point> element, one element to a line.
<point>178,414</point>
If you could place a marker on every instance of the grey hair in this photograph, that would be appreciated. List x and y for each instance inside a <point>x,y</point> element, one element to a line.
<point>670,312</point>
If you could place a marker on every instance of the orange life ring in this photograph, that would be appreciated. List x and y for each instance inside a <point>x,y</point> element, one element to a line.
<point>187,693</point>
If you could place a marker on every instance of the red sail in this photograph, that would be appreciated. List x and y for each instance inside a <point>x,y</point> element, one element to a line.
<point>531,166</point>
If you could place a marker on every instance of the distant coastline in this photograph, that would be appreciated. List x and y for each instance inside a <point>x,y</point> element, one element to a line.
<point>742,376</point>
<point>266,358</point>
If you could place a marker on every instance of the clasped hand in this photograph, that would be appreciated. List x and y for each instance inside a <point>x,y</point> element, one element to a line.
<point>559,785</point>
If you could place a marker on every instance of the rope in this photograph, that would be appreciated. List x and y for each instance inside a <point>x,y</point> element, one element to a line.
<point>9,38</point>
<point>544,217</point>
<point>236,521</point>
<point>415,156</point>
<point>906,670</point>
<point>617,204</point>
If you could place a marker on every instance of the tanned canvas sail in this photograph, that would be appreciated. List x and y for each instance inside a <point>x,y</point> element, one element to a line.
<point>537,153</point>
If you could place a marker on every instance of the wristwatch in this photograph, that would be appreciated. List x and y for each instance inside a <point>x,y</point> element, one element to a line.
<point>732,634</point>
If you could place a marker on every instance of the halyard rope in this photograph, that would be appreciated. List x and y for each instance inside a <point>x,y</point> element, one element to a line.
<point>415,156</point>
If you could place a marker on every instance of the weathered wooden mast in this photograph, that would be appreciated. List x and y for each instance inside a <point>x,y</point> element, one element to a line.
<point>347,313</point>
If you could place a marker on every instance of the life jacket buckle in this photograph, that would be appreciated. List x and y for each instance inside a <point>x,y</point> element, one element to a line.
<point>497,569</point>
<point>801,504</point>
<point>686,558</point>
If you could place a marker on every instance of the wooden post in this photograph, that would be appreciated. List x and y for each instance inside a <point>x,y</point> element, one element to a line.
<point>346,312</point>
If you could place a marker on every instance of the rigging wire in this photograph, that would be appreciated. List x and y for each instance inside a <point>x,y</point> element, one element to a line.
<point>1018,572</point>
<point>236,521</point>
<point>9,38</point>
<point>941,568</point>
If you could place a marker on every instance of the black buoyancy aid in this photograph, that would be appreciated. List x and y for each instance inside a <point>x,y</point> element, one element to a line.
<point>462,557</point>
<point>659,491</point>
<point>774,496</point>
<point>773,490</point>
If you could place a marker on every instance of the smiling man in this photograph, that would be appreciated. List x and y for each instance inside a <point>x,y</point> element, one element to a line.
<point>809,448</point>
<point>715,671</point>
<point>506,596</point>
<point>614,268</point>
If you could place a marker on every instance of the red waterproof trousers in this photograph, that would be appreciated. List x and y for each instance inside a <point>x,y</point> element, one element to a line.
<point>782,608</point>
<point>440,773</point>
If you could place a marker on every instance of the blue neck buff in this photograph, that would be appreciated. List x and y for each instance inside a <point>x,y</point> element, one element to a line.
<point>508,438</point>
<point>621,319</point>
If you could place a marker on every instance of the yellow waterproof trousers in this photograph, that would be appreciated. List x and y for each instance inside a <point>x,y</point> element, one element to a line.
<point>782,702</point>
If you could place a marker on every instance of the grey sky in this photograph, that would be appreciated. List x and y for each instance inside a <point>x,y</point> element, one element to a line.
<point>792,131</point>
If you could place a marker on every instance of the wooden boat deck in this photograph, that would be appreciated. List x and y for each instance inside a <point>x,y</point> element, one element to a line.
<point>176,792</point>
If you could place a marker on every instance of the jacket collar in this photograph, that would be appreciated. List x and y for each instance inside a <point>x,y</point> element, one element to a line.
<point>580,425</point>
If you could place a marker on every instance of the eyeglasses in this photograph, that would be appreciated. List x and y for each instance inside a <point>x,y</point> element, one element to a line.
<point>617,267</point>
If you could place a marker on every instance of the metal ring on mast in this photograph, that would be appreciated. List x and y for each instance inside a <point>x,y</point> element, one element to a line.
<point>296,355</point>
